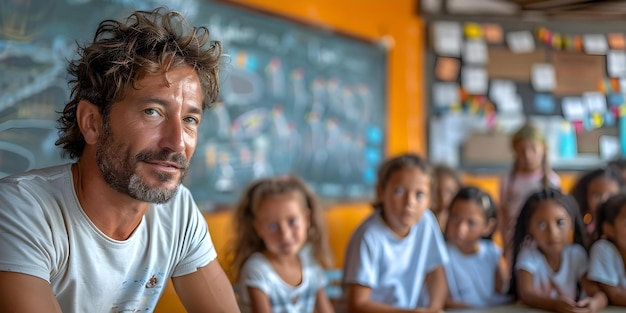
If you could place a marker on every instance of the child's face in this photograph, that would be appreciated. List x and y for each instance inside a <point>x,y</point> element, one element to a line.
<point>282,223</point>
<point>447,187</point>
<point>551,227</point>
<point>616,230</point>
<point>529,155</point>
<point>599,190</point>
<point>405,197</point>
<point>466,225</point>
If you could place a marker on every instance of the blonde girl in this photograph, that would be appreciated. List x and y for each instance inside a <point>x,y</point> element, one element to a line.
<point>530,172</point>
<point>280,249</point>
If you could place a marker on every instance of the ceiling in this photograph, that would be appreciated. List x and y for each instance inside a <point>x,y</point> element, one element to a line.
<point>614,10</point>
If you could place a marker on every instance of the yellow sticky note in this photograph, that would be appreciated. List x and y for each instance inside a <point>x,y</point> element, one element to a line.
<point>473,30</point>
<point>597,120</point>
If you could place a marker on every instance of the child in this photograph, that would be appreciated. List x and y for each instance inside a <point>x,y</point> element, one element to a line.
<point>593,188</point>
<point>279,249</point>
<point>394,259</point>
<point>549,269</point>
<point>446,185</point>
<point>619,165</point>
<point>530,172</point>
<point>476,274</point>
<point>607,253</point>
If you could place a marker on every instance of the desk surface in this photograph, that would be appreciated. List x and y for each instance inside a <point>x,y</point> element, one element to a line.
<point>522,308</point>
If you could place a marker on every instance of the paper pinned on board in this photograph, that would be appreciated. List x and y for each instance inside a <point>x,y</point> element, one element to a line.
<point>609,147</point>
<point>445,95</point>
<point>520,41</point>
<point>595,44</point>
<point>474,80</point>
<point>504,95</point>
<point>475,52</point>
<point>574,109</point>
<point>595,102</point>
<point>447,69</point>
<point>542,77</point>
<point>616,41</point>
<point>448,38</point>
<point>616,63</point>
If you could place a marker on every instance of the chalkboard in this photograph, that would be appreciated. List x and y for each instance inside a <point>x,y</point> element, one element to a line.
<point>295,98</point>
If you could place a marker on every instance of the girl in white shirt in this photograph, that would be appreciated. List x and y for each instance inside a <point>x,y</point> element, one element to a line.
<point>550,270</point>
<point>607,253</point>
<point>476,273</point>
<point>280,249</point>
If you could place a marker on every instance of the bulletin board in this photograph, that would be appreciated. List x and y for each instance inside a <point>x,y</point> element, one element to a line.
<point>296,99</point>
<point>487,76</point>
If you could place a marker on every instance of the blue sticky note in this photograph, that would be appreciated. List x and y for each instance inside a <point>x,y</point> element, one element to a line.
<point>544,103</point>
<point>616,99</point>
<point>252,63</point>
<point>609,119</point>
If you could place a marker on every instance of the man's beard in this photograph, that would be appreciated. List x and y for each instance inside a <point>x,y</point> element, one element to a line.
<point>118,168</point>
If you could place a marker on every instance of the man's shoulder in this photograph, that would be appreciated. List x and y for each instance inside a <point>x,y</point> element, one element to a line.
<point>36,180</point>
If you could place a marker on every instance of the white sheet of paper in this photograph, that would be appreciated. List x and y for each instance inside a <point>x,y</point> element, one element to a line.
<point>520,41</point>
<point>475,52</point>
<point>474,80</point>
<point>504,95</point>
<point>609,147</point>
<point>445,94</point>
<point>448,38</point>
<point>616,63</point>
<point>574,109</point>
<point>595,44</point>
<point>542,77</point>
<point>595,101</point>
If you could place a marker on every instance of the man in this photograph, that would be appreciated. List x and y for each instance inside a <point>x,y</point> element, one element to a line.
<point>105,233</point>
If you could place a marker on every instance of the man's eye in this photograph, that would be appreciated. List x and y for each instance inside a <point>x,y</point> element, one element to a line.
<point>192,120</point>
<point>151,112</point>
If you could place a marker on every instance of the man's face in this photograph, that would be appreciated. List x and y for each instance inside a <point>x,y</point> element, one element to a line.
<point>150,135</point>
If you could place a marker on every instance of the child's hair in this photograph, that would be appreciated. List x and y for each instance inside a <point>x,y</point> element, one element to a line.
<point>579,191</point>
<point>619,164</point>
<point>440,171</point>
<point>607,212</point>
<point>529,208</point>
<point>247,241</point>
<point>530,132</point>
<point>475,194</point>
<point>397,163</point>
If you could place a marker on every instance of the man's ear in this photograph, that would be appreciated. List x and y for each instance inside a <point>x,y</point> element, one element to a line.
<point>89,120</point>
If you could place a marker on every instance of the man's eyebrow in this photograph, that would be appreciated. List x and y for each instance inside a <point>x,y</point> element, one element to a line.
<point>194,109</point>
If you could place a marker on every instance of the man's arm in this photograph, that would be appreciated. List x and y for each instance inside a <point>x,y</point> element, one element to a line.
<point>22,293</point>
<point>206,290</point>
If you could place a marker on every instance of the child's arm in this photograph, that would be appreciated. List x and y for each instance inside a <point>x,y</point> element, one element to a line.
<point>359,302</point>
<point>502,276</point>
<point>527,293</point>
<point>259,302</point>
<point>596,299</point>
<point>322,303</point>
<point>616,294</point>
<point>450,304</point>
<point>437,289</point>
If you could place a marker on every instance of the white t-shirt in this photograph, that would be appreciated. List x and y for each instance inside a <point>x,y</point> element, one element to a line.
<point>472,278</point>
<point>395,268</point>
<point>257,272</point>
<point>565,281</point>
<point>45,233</point>
<point>606,265</point>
